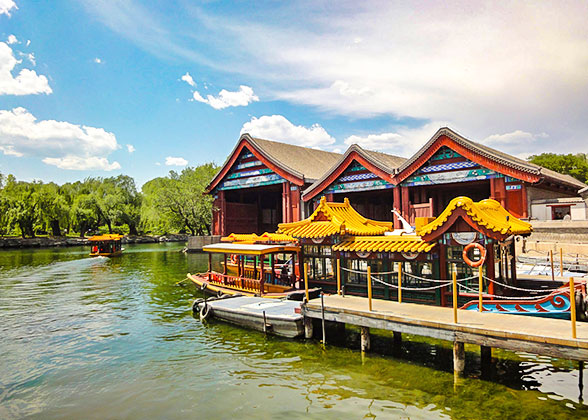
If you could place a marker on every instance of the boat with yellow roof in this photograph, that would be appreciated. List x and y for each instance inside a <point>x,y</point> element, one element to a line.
<point>107,245</point>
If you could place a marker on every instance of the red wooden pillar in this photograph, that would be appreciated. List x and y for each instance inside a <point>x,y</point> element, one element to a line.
<point>330,197</point>
<point>295,203</point>
<point>285,202</point>
<point>223,213</point>
<point>443,271</point>
<point>498,190</point>
<point>405,203</point>
<point>525,201</point>
<point>397,204</point>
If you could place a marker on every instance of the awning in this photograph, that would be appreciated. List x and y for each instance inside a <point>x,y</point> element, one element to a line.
<point>249,249</point>
<point>395,243</point>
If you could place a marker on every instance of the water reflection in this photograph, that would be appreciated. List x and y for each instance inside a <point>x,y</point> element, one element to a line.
<point>100,338</point>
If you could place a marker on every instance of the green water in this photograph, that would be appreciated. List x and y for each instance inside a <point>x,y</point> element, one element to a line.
<point>87,338</point>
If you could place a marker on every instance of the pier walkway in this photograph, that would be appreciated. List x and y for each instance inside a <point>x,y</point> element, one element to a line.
<point>543,336</point>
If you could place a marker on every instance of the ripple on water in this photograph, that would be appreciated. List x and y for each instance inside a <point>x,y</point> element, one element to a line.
<point>101,338</point>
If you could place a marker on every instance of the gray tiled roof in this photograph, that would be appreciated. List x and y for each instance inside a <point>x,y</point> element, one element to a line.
<point>497,156</point>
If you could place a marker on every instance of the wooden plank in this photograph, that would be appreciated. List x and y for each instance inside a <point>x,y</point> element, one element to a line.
<point>551,337</point>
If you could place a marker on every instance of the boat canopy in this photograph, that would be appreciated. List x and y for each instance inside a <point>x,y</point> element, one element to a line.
<point>486,216</point>
<point>252,238</point>
<point>106,237</point>
<point>248,249</point>
<point>334,219</point>
<point>396,243</point>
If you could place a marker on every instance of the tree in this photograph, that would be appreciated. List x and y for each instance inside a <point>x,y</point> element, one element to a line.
<point>53,207</point>
<point>178,201</point>
<point>574,165</point>
<point>22,205</point>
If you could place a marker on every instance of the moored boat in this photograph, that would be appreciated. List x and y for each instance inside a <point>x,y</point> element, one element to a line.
<point>253,269</point>
<point>107,245</point>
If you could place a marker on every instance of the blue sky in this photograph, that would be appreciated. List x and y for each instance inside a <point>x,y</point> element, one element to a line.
<point>102,87</point>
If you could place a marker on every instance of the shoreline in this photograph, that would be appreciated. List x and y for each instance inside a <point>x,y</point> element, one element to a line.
<point>63,241</point>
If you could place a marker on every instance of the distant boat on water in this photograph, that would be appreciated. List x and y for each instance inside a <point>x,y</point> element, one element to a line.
<point>108,245</point>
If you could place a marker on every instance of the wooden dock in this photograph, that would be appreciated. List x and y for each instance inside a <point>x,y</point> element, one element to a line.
<point>543,336</point>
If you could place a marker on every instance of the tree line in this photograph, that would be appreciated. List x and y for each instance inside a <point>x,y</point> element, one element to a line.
<point>172,204</point>
<point>575,165</point>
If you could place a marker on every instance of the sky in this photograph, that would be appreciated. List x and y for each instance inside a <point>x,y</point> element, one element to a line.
<point>104,87</point>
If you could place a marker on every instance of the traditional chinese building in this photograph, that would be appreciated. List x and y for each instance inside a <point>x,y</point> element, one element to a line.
<point>362,176</point>
<point>261,183</point>
<point>447,166</point>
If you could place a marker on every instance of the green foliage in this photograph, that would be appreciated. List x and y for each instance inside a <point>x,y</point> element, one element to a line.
<point>178,203</point>
<point>574,165</point>
<point>169,204</point>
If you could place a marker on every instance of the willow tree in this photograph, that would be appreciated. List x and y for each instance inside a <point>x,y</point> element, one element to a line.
<point>178,203</point>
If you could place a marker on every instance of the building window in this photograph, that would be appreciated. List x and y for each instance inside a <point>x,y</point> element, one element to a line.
<point>560,212</point>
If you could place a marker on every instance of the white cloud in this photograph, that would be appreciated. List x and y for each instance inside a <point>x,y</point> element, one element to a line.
<point>26,83</point>
<point>403,142</point>
<point>243,97</point>
<point>130,148</point>
<point>31,58</point>
<point>11,39</point>
<point>6,6</point>
<point>157,164</point>
<point>519,143</point>
<point>28,42</point>
<point>279,128</point>
<point>78,163</point>
<point>175,161</point>
<point>98,60</point>
<point>59,143</point>
<point>188,79</point>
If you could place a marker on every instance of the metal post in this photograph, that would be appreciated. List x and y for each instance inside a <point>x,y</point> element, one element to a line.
<point>323,319</point>
<point>338,276</point>
<point>561,267</point>
<point>306,280</point>
<point>480,288</point>
<point>399,282</point>
<point>573,306</point>
<point>454,274</point>
<point>551,261</point>
<point>369,285</point>
<point>264,323</point>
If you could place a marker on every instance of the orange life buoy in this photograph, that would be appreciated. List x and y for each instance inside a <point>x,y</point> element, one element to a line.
<point>482,254</point>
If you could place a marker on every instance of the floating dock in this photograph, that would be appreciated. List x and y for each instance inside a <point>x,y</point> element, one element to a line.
<point>272,316</point>
<point>550,337</point>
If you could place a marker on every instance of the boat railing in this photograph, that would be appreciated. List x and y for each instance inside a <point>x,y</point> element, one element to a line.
<point>236,282</point>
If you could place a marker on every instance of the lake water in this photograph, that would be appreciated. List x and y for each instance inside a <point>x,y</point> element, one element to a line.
<point>98,338</point>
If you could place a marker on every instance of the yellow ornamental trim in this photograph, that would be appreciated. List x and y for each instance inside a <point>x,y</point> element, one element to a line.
<point>334,218</point>
<point>410,243</point>
<point>486,213</point>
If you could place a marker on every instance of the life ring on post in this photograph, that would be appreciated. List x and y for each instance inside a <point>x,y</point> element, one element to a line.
<point>467,259</point>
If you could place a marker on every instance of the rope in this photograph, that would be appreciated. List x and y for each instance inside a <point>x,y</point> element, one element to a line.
<point>522,289</point>
<point>439,281</point>
<point>410,288</point>
<point>533,298</point>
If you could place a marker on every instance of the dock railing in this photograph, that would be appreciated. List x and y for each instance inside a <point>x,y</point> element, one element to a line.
<point>456,285</point>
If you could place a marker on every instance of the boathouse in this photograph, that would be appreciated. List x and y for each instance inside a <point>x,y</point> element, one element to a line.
<point>362,176</point>
<point>339,245</point>
<point>261,183</point>
<point>447,166</point>
<point>264,183</point>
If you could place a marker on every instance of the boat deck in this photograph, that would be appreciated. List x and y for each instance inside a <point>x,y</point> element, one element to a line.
<point>551,337</point>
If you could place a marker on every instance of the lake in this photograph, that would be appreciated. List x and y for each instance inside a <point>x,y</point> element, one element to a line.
<point>98,338</point>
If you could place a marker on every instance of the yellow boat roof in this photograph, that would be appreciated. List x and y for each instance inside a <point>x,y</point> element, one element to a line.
<point>106,237</point>
<point>334,218</point>
<point>248,249</point>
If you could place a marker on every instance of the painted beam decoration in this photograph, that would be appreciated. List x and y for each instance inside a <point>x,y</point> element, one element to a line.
<point>447,167</point>
<point>248,172</point>
<point>357,178</point>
